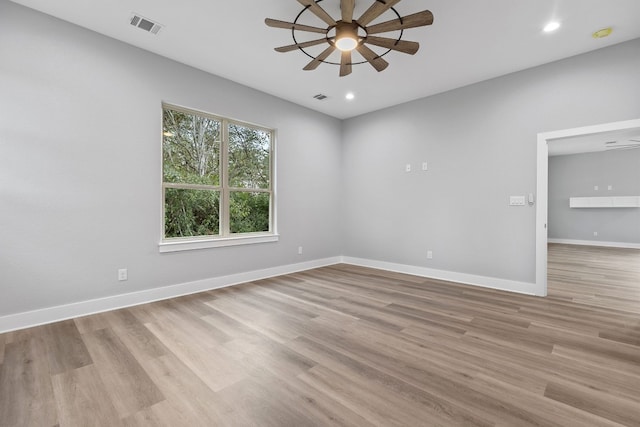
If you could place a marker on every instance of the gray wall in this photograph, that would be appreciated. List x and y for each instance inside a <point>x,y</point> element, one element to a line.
<point>80,196</point>
<point>576,176</point>
<point>480,144</point>
<point>80,174</point>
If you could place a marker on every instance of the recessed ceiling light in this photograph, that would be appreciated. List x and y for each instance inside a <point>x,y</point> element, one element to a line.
<point>602,33</point>
<point>349,96</point>
<point>551,26</point>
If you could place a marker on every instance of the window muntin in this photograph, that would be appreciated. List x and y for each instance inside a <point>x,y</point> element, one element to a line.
<point>217,177</point>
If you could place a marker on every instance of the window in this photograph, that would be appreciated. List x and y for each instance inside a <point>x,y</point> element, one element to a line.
<point>216,180</point>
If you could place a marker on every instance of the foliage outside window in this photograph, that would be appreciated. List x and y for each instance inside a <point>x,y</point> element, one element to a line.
<point>217,179</point>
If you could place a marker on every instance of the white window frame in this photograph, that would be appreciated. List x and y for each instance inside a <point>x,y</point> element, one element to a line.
<point>225,238</point>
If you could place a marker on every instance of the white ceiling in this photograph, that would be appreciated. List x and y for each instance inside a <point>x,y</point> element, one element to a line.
<point>470,41</point>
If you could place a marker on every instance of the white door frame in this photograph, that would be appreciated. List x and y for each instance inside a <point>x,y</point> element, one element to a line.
<point>542,183</point>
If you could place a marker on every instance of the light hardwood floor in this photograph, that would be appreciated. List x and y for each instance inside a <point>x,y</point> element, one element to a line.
<point>345,345</point>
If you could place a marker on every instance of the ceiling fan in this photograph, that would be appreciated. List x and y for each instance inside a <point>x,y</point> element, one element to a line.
<point>613,145</point>
<point>347,34</point>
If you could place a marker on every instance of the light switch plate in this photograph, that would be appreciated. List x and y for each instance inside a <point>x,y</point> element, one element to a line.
<point>516,201</point>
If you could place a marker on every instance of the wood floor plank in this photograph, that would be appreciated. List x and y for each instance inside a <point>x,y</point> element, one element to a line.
<point>259,320</point>
<point>65,347</point>
<point>629,336</point>
<point>550,410</point>
<point>26,392</point>
<point>3,338</point>
<point>125,380</point>
<point>623,411</point>
<point>431,404</point>
<point>94,322</point>
<point>320,408</point>
<point>266,355</point>
<point>215,368</point>
<point>372,406</point>
<point>436,376</point>
<point>82,399</point>
<point>162,414</point>
<point>192,326</point>
<point>191,398</point>
<point>135,336</point>
<point>256,400</point>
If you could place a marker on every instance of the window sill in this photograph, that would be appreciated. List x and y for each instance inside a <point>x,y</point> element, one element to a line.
<point>188,245</point>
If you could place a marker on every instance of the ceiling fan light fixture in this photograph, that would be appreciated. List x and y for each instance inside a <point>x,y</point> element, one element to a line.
<point>346,44</point>
<point>346,36</point>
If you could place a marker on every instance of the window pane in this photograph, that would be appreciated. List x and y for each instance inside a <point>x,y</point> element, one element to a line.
<point>249,212</point>
<point>191,148</point>
<point>191,212</point>
<point>248,157</point>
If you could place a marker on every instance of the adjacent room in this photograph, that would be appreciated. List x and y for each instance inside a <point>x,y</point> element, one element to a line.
<point>331,212</point>
<point>594,221</point>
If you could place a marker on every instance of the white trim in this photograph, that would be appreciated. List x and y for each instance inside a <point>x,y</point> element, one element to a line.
<point>624,245</point>
<point>542,183</point>
<point>451,276</point>
<point>63,312</point>
<point>187,245</point>
<point>542,187</point>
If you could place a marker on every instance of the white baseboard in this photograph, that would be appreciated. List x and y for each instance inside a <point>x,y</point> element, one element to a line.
<point>451,276</point>
<point>63,312</point>
<point>623,245</point>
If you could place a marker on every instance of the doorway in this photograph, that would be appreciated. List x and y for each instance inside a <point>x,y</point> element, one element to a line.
<point>542,182</point>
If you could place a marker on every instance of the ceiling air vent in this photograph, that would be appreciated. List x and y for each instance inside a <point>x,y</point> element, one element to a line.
<point>145,24</point>
<point>320,97</point>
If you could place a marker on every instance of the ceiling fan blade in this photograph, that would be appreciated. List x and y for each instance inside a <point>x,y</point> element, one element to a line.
<point>318,11</point>
<point>393,44</point>
<point>378,63</point>
<point>375,10</point>
<point>419,19</point>
<point>346,7</point>
<point>345,63</point>
<point>625,146</point>
<point>296,46</point>
<point>290,25</point>
<point>318,59</point>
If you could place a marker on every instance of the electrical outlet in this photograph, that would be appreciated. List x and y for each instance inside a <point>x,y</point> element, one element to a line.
<point>595,234</point>
<point>122,274</point>
<point>429,254</point>
<point>299,250</point>
<point>425,166</point>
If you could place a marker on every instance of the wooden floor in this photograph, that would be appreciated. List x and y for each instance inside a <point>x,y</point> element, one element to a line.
<point>595,276</point>
<point>345,345</point>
